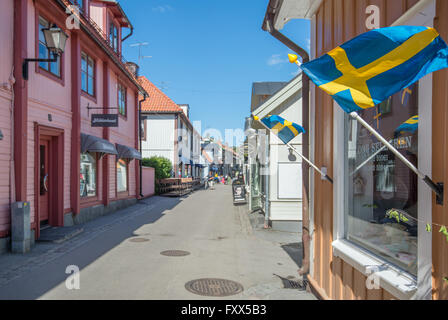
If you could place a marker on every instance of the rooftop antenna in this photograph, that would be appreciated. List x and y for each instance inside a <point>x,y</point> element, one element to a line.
<point>140,45</point>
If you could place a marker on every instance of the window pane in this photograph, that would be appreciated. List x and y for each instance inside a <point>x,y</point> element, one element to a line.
<point>43,54</point>
<point>111,35</point>
<point>55,67</point>
<point>84,81</point>
<point>379,182</point>
<point>42,25</point>
<point>84,63</point>
<point>90,86</point>
<point>88,175</point>
<point>91,67</point>
<point>121,176</point>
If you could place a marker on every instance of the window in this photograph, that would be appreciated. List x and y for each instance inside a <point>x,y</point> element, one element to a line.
<point>378,182</point>
<point>122,100</point>
<point>122,176</point>
<point>52,67</point>
<point>79,3</point>
<point>113,37</point>
<point>87,74</point>
<point>88,175</point>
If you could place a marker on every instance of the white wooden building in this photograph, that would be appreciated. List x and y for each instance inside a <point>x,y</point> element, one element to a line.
<point>283,185</point>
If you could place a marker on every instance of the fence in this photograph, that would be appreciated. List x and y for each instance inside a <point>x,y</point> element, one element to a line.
<point>148,181</point>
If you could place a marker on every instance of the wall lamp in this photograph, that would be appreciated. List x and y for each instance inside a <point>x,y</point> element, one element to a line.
<point>55,40</point>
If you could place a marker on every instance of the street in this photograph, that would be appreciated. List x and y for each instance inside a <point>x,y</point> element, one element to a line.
<point>119,255</point>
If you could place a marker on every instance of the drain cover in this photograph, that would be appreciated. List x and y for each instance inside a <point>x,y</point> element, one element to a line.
<point>175,253</point>
<point>214,287</point>
<point>291,283</point>
<point>139,240</point>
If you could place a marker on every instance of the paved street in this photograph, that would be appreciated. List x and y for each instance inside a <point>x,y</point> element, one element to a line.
<point>119,255</point>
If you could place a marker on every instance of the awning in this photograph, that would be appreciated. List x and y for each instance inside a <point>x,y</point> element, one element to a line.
<point>94,144</point>
<point>128,153</point>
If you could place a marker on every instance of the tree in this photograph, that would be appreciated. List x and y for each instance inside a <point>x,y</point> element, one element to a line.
<point>162,166</point>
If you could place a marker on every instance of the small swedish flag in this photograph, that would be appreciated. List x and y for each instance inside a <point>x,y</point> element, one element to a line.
<point>284,129</point>
<point>368,69</point>
<point>410,126</point>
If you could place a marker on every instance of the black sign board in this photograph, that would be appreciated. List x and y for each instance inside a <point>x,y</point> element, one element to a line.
<point>104,120</point>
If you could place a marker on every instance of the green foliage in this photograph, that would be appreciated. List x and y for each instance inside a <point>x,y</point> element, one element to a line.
<point>444,231</point>
<point>162,166</point>
<point>394,214</point>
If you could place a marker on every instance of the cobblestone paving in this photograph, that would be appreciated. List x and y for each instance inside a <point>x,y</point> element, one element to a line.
<point>54,251</point>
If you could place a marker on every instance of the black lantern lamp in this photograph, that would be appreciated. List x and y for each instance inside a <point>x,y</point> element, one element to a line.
<point>55,40</point>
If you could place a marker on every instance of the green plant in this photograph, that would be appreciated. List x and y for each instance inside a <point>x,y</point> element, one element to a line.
<point>161,165</point>
<point>399,216</point>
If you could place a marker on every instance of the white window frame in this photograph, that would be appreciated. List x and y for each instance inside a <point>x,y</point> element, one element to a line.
<point>395,281</point>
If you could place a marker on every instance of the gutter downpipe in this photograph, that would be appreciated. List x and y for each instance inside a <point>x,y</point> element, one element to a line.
<point>130,34</point>
<point>140,140</point>
<point>269,26</point>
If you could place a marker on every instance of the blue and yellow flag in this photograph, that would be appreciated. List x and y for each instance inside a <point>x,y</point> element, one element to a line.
<point>410,126</point>
<point>368,69</point>
<point>284,129</point>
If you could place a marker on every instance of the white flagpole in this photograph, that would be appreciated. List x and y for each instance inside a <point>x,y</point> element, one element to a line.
<point>367,161</point>
<point>422,176</point>
<point>299,154</point>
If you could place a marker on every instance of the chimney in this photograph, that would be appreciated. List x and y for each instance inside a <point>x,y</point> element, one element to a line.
<point>133,68</point>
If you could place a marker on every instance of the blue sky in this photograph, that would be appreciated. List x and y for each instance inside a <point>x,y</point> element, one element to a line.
<point>207,53</point>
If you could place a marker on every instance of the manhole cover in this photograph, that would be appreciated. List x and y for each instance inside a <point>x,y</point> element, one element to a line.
<point>175,253</point>
<point>214,287</point>
<point>139,240</point>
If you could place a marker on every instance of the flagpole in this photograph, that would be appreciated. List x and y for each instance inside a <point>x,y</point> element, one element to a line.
<point>365,162</point>
<point>422,176</point>
<point>300,155</point>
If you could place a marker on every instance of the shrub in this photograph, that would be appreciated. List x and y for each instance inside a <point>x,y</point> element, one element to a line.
<point>161,165</point>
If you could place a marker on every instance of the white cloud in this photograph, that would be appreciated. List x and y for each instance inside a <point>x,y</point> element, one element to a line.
<point>308,44</point>
<point>276,59</point>
<point>162,9</point>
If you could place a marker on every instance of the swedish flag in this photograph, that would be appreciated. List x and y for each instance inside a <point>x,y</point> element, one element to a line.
<point>368,69</point>
<point>410,126</point>
<point>284,129</point>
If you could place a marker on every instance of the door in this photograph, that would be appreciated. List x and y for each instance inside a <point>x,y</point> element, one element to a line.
<point>255,187</point>
<point>44,207</point>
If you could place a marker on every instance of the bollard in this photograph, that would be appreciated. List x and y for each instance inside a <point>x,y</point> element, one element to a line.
<point>20,227</point>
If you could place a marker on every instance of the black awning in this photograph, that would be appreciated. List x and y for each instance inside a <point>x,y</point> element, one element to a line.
<point>95,144</point>
<point>128,153</point>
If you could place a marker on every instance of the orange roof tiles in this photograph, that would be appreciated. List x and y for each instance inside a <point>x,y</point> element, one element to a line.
<point>157,100</point>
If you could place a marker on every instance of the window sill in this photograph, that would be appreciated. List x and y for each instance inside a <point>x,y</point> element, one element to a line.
<point>398,283</point>
<point>51,76</point>
<point>88,96</point>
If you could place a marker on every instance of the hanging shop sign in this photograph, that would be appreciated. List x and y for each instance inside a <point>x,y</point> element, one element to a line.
<point>105,120</point>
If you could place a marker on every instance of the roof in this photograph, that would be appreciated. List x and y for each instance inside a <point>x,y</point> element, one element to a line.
<point>118,12</point>
<point>157,102</point>
<point>287,10</point>
<point>266,88</point>
<point>278,99</point>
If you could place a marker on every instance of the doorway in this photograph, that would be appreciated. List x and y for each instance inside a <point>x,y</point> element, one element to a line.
<point>44,183</point>
<point>48,178</point>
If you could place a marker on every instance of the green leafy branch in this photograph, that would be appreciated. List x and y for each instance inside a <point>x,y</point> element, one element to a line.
<point>400,217</point>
